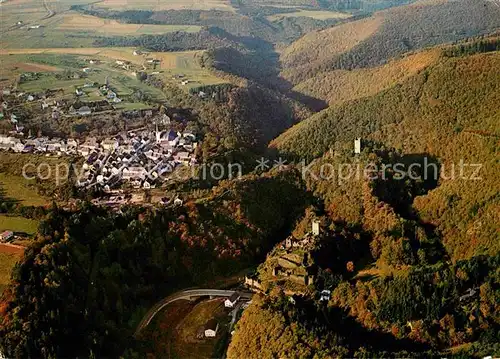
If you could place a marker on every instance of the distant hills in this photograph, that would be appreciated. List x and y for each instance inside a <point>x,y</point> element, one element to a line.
<point>338,86</point>
<point>407,265</point>
<point>449,110</point>
<point>387,34</point>
<point>339,5</point>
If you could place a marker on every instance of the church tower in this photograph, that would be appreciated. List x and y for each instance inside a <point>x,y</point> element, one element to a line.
<point>357,146</point>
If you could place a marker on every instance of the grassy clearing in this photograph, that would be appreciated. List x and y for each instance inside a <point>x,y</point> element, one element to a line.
<point>13,164</point>
<point>18,224</point>
<point>159,336</point>
<point>318,15</point>
<point>7,262</point>
<point>172,334</point>
<point>186,63</point>
<point>66,28</point>
<point>198,317</point>
<point>186,344</point>
<point>16,188</point>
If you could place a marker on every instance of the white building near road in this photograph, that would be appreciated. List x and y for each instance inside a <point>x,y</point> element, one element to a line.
<point>211,328</point>
<point>6,236</point>
<point>232,300</point>
<point>134,173</point>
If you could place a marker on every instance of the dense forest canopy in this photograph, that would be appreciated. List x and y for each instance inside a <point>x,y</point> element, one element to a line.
<point>451,102</point>
<point>253,23</point>
<point>373,41</point>
<point>400,267</point>
<point>409,315</point>
<point>338,5</point>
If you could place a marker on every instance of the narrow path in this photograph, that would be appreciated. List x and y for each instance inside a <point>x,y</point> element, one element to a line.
<point>50,12</point>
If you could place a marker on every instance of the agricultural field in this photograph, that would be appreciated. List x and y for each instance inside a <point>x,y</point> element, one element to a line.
<point>75,30</point>
<point>156,5</point>
<point>55,29</point>
<point>318,15</point>
<point>123,81</point>
<point>17,188</point>
<point>79,23</point>
<point>186,64</point>
<point>15,61</point>
<point>28,24</point>
<point>13,66</point>
<point>18,224</point>
<point>17,16</point>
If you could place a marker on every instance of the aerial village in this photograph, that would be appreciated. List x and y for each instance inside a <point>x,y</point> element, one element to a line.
<point>138,158</point>
<point>141,159</point>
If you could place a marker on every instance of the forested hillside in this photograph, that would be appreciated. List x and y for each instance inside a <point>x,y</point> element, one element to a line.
<point>252,23</point>
<point>373,41</point>
<point>349,256</point>
<point>411,263</point>
<point>250,116</point>
<point>417,315</point>
<point>339,86</point>
<point>338,5</point>
<point>453,102</point>
<point>84,284</point>
<point>177,41</point>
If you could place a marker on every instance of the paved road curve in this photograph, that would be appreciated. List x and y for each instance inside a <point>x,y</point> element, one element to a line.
<point>186,295</point>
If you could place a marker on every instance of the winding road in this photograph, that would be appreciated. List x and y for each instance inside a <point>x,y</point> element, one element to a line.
<point>496,2</point>
<point>186,295</point>
<point>50,12</point>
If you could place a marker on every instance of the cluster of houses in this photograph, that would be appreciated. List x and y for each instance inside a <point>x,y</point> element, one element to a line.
<point>141,159</point>
<point>55,146</point>
<point>253,283</point>
<point>149,62</point>
<point>109,95</point>
<point>12,100</point>
<point>6,236</point>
